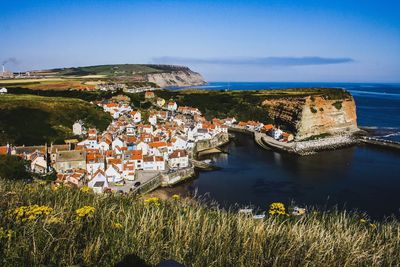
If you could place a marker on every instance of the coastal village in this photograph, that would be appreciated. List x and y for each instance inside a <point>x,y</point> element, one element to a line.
<point>140,150</point>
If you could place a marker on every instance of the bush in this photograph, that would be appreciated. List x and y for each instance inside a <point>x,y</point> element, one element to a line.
<point>313,110</point>
<point>337,105</point>
<point>13,168</point>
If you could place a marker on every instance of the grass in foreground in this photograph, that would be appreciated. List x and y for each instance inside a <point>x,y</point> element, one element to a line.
<point>70,226</point>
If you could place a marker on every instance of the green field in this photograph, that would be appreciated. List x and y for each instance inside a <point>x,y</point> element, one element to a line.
<point>30,119</point>
<point>116,70</point>
<point>114,227</point>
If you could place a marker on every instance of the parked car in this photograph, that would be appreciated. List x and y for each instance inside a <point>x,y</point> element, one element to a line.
<point>137,184</point>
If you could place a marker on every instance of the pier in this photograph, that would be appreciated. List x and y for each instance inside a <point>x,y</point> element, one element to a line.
<point>380,142</point>
<point>258,138</point>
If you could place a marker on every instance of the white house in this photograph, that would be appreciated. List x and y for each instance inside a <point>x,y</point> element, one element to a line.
<point>144,147</point>
<point>3,91</point>
<point>77,128</point>
<point>172,106</point>
<point>38,163</point>
<point>130,129</point>
<point>153,163</point>
<point>94,162</point>
<point>104,145</point>
<point>153,119</point>
<point>128,171</point>
<point>179,143</point>
<point>98,182</point>
<point>229,121</point>
<point>113,174</point>
<point>202,134</point>
<point>147,128</point>
<point>89,143</point>
<point>277,133</point>
<point>117,142</point>
<point>137,116</point>
<point>179,159</point>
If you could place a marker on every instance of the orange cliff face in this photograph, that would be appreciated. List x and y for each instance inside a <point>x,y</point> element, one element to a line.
<point>314,115</point>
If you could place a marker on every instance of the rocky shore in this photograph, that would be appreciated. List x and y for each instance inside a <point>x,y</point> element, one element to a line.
<point>311,146</point>
<point>327,143</point>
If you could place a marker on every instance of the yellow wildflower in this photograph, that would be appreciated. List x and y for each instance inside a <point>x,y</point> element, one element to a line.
<point>176,197</point>
<point>54,188</point>
<point>55,220</point>
<point>117,226</point>
<point>6,233</point>
<point>85,189</point>
<point>277,208</point>
<point>372,225</point>
<point>152,201</point>
<point>363,221</point>
<point>30,213</point>
<point>85,211</point>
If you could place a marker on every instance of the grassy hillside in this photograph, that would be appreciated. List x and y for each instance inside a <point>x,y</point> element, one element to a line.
<point>29,119</point>
<point>118,69</point>
<point>244,105</point>
<point>74,227</point>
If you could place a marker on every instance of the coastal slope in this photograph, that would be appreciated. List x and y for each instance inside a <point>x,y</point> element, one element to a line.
<point>183,77</point>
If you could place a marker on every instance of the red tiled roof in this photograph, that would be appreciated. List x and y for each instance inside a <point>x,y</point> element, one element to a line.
<point>178,153</point>
<point>3,150</point>
<point>157,144</point>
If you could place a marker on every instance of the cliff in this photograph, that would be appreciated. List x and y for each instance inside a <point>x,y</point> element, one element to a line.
<point>312,116</point>
<point>185,77</point>
<point>133,75</point>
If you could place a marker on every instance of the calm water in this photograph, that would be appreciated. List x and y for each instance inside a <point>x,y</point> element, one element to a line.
<point>363,178</point>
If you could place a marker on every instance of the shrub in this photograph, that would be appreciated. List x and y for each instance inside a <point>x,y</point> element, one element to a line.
<point>337,105</point>
<point>313,109</point>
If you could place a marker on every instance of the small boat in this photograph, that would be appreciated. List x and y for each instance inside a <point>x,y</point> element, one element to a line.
<point>297,211</point>
<point>208,161</point>
<point>246,211</point>
<point>259,216</point>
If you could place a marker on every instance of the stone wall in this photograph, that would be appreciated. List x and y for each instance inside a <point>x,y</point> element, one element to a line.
<point>218,140</point>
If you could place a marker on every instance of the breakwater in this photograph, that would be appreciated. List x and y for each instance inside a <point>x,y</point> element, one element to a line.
<point>299,147</point>
<point>380,142</point>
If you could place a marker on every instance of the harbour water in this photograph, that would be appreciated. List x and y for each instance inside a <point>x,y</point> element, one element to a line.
<point>364,178</point>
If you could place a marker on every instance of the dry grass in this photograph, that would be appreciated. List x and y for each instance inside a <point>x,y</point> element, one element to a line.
<point>51,84</point>
<point>185,231</point>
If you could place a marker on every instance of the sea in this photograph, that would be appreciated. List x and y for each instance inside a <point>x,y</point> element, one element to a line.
<point>359,178</point>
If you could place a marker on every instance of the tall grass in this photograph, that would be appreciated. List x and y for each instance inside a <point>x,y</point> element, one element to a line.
<point>186,231</point>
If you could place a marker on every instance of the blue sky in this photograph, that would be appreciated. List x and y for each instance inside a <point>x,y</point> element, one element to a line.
<point>346,41</point>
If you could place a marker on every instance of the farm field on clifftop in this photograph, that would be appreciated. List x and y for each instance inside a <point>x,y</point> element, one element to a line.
<point>76,227</point>
<point>51,84</point>
<point>29,119</point>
